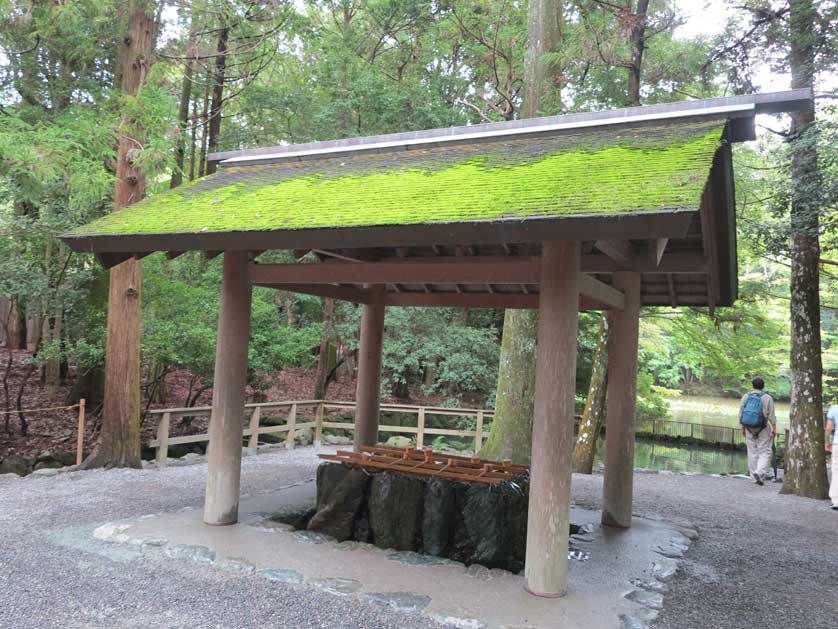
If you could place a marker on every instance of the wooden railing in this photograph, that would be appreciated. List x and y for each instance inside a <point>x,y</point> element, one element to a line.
<point>318,423</point>
<point>657,428</point>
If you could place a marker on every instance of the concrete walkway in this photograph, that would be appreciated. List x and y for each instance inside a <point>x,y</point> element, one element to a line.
<point>761,560</point>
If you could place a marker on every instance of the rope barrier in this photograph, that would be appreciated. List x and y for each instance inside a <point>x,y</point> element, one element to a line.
<point>39,410</point>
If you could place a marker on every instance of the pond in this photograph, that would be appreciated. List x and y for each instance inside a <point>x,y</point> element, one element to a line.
<point>651,455</point>
<point>715,411</point>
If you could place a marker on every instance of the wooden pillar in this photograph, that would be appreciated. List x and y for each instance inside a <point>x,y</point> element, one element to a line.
<point>552,436</point>
<point>369,369</point>
<point>621,402</point>
<point>226,421</point>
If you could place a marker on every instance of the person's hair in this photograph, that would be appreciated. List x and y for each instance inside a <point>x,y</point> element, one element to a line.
<point>758,383</point>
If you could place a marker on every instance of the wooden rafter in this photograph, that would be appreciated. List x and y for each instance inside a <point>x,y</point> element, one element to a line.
<point>618,250</point>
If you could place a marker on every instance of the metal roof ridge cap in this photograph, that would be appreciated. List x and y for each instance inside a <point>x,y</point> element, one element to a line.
<point>765,102</point>
<point>499,133</point>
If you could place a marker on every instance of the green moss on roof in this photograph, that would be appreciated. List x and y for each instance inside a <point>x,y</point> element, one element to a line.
<point>647,169</point>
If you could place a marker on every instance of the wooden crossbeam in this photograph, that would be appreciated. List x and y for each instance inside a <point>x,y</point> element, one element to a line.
<point>601,292</point>
<point>344,293</point>
<point>453,270</point>
<point>617,250</point>
<point>657,247</point>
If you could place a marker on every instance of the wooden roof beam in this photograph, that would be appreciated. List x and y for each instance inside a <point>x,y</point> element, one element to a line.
<point>601,292</point>
<point>494,270</point>
<point>618,250</point>
<point>670,286</point>
<point>657,247</point>
<point>408,271</point>
<point>344,293</point>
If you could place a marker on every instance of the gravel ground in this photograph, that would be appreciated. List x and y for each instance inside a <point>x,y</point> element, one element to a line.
<point>762,560</point>
<point>53,575</point>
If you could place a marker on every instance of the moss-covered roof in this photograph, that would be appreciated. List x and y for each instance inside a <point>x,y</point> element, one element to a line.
<point>600,172</point>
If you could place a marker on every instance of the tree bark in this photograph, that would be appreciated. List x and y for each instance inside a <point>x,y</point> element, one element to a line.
<point>183,109</point>
<point>119,440</point>
<point>805,467</point>
<point>323,362</point>
<point>217,95</point>
<point>584,452</point>
<point>511,433</point>
<point>638,45</point>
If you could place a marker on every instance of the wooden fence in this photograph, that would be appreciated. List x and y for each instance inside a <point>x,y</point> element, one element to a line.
<point>319,421</point>
<point>317,411</point>
<point>705,433</point>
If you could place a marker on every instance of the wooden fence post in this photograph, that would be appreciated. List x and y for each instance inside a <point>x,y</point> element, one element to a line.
<point>163,439</point>
<point>254,427</point>
<point>478,437</point>
<point>318,423</point>
<point>292,423</point>
<point>420,435</point>
<point>80,436</point>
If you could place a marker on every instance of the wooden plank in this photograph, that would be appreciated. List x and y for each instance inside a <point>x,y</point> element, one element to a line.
<point>318,424</point>
<point>343,425</point>
<point>450,431</point>
<point>618,250</point>
<point>601,292</point>
<point>420,431</point>
<point>163,438</point>
<point>344,293</point>
<point>506,270</point>
<point>478,434</point>
<point>291,423</point>
<point>254,427</point>
<point>80,434</point>
<point>673,296</point>
<point>657,247</point>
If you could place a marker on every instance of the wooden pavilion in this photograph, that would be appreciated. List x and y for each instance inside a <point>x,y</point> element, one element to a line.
<point>612,210</point>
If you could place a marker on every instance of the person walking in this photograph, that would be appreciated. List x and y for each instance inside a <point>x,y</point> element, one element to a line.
<point>759,425</point>
<point>831,440</point>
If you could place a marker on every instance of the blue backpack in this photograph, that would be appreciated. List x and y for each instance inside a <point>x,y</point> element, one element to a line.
<point>752,416</point>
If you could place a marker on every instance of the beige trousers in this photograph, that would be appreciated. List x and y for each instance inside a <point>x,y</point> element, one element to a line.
<point>833,486</point>
<point>759,451</point>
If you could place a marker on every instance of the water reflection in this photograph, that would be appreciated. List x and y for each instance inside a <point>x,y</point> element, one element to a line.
<point>660,456</point>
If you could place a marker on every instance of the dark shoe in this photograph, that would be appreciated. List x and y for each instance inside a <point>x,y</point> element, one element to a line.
<point>834,507</point>
<point>757,479</point>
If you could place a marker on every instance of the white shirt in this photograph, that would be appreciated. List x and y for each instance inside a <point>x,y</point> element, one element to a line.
<point>832,414</point>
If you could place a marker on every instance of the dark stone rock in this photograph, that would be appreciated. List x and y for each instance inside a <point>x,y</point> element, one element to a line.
<point>491,526</point>
<point>361,529</point>
<point>340,492</point>
<point>14,464</point>
<point>395,510</point>
<point>438,516</point>
<point>47,461</point>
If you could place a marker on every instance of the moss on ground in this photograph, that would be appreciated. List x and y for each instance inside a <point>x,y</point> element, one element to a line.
<point>640,170</point>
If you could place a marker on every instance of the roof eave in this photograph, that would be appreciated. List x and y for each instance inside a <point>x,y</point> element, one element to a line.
<point>662,224</point>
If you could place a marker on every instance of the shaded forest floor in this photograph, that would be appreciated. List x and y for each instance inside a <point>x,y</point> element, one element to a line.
<point>55,431</point>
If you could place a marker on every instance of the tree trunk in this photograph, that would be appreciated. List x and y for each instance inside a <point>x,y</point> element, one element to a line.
<point>217,96</point>
<point>323,356</point>
<point>202,155</point>
<point>15,326</point>
<point>511,433</point>
<point>52,372</point>
<point>584,452</point>
<point>119,440</point>
<point>183,109</point>
<point>638,45</point>
<point>805,467</point>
